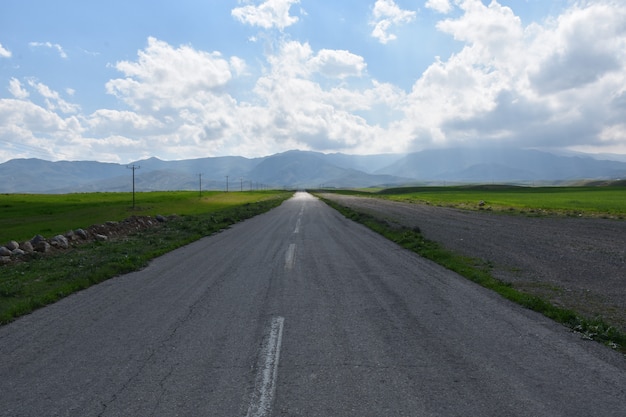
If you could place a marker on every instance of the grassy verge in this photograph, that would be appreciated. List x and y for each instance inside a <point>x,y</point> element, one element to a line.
<point>480,273</point>
<point>27,286</point>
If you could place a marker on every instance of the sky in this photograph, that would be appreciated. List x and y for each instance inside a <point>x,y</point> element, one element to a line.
<point>119,81</point>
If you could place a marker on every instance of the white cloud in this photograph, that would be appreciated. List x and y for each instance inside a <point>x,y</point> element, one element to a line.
<point>4,53</point>
<point>31,129</point>
<point>106,122</point>
<point>179,100</point>
<point>50,45</point>
<point>586,44</point>
<point>238,65</point>
<point>386,14</point>
<point>494,29</point>
<point>300,112</point>
<point>15,88</point>
<point>53,99</point>
<point>338,63</point>
<point>269,14</point>
<point>441,6</point>
<point>168,77</point>
<point>550,85</point>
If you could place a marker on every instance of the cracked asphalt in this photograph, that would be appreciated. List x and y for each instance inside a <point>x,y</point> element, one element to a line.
<point>370,329</point>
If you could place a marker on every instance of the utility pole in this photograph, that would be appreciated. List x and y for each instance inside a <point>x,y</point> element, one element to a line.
<point>134,168</point>
<point>200,177</point>
<point>227,183</point>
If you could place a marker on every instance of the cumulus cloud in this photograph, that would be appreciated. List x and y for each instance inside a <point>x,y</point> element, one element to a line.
<point>33,130</point>
<point>441,6</point>
<point>269,14</point>
<point>164,76</point>
<point>4,53</point>
<point>338,63</point>
<point>16,89</point>
<point>105,122</point>
<point>386,14</point>
<point>586,46</point>
<point>50,45</point>
<point>493,31</point>
<point>549,85</point>
<point>53,99</point>
<point>300,111</point>
<point>178,98</point>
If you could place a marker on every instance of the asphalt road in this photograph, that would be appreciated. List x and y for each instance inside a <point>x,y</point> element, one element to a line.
<point>299,312</point>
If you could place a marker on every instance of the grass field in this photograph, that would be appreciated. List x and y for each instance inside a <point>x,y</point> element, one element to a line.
<point>597,201</point>
<point>23,216</point>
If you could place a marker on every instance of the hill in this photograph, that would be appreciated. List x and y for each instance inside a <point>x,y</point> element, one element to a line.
<point>502,165</point>
<point>303,169</point>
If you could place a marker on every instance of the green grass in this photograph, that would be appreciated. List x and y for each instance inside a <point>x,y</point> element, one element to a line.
<point>44,279</point>
<point>603,201</point>
<point>23,216</point>
<point>480,272</point>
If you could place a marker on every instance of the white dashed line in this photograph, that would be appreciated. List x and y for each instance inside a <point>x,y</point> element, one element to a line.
<point>290,256</point>
<point>265,386</point>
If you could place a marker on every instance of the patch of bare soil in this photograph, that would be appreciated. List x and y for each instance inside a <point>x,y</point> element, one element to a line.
<point>576,263</point>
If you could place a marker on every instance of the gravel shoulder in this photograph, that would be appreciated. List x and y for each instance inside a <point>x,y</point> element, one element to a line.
<point>576,263</point>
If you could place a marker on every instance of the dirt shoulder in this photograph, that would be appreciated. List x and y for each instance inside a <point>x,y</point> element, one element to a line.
<point>576,263</point>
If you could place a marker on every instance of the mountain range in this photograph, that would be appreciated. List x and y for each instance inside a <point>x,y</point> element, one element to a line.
<point>305,169</point>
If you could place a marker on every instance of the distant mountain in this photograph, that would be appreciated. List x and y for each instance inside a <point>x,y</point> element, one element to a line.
<point>302,169</point>
<point>39,176</point>
<point>316,170</point>
<point>501,165</point>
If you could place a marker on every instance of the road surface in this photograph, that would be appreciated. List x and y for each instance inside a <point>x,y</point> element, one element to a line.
<point>299,312</point>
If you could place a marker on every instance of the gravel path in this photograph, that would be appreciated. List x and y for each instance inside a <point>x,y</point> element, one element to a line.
<point>577,263</point>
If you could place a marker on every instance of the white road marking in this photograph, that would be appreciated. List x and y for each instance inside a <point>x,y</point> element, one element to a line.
<point>290,257</point>
<point>297,230</point>
<point>265,386</point>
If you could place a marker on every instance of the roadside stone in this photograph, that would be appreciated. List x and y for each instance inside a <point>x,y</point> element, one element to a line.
<point>42,246</point>
<point>27,247</point>
<point>160,218</point>
<point>81,233</point>
<point>4,251</point>
<point>37,239</point>
<point>12,245</point>
<point>18,252</point>
<point>5,259</point>
<point>60,241</point>
<point>101,238</point>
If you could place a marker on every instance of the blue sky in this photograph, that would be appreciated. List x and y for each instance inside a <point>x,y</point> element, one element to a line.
<point>120,81</point>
